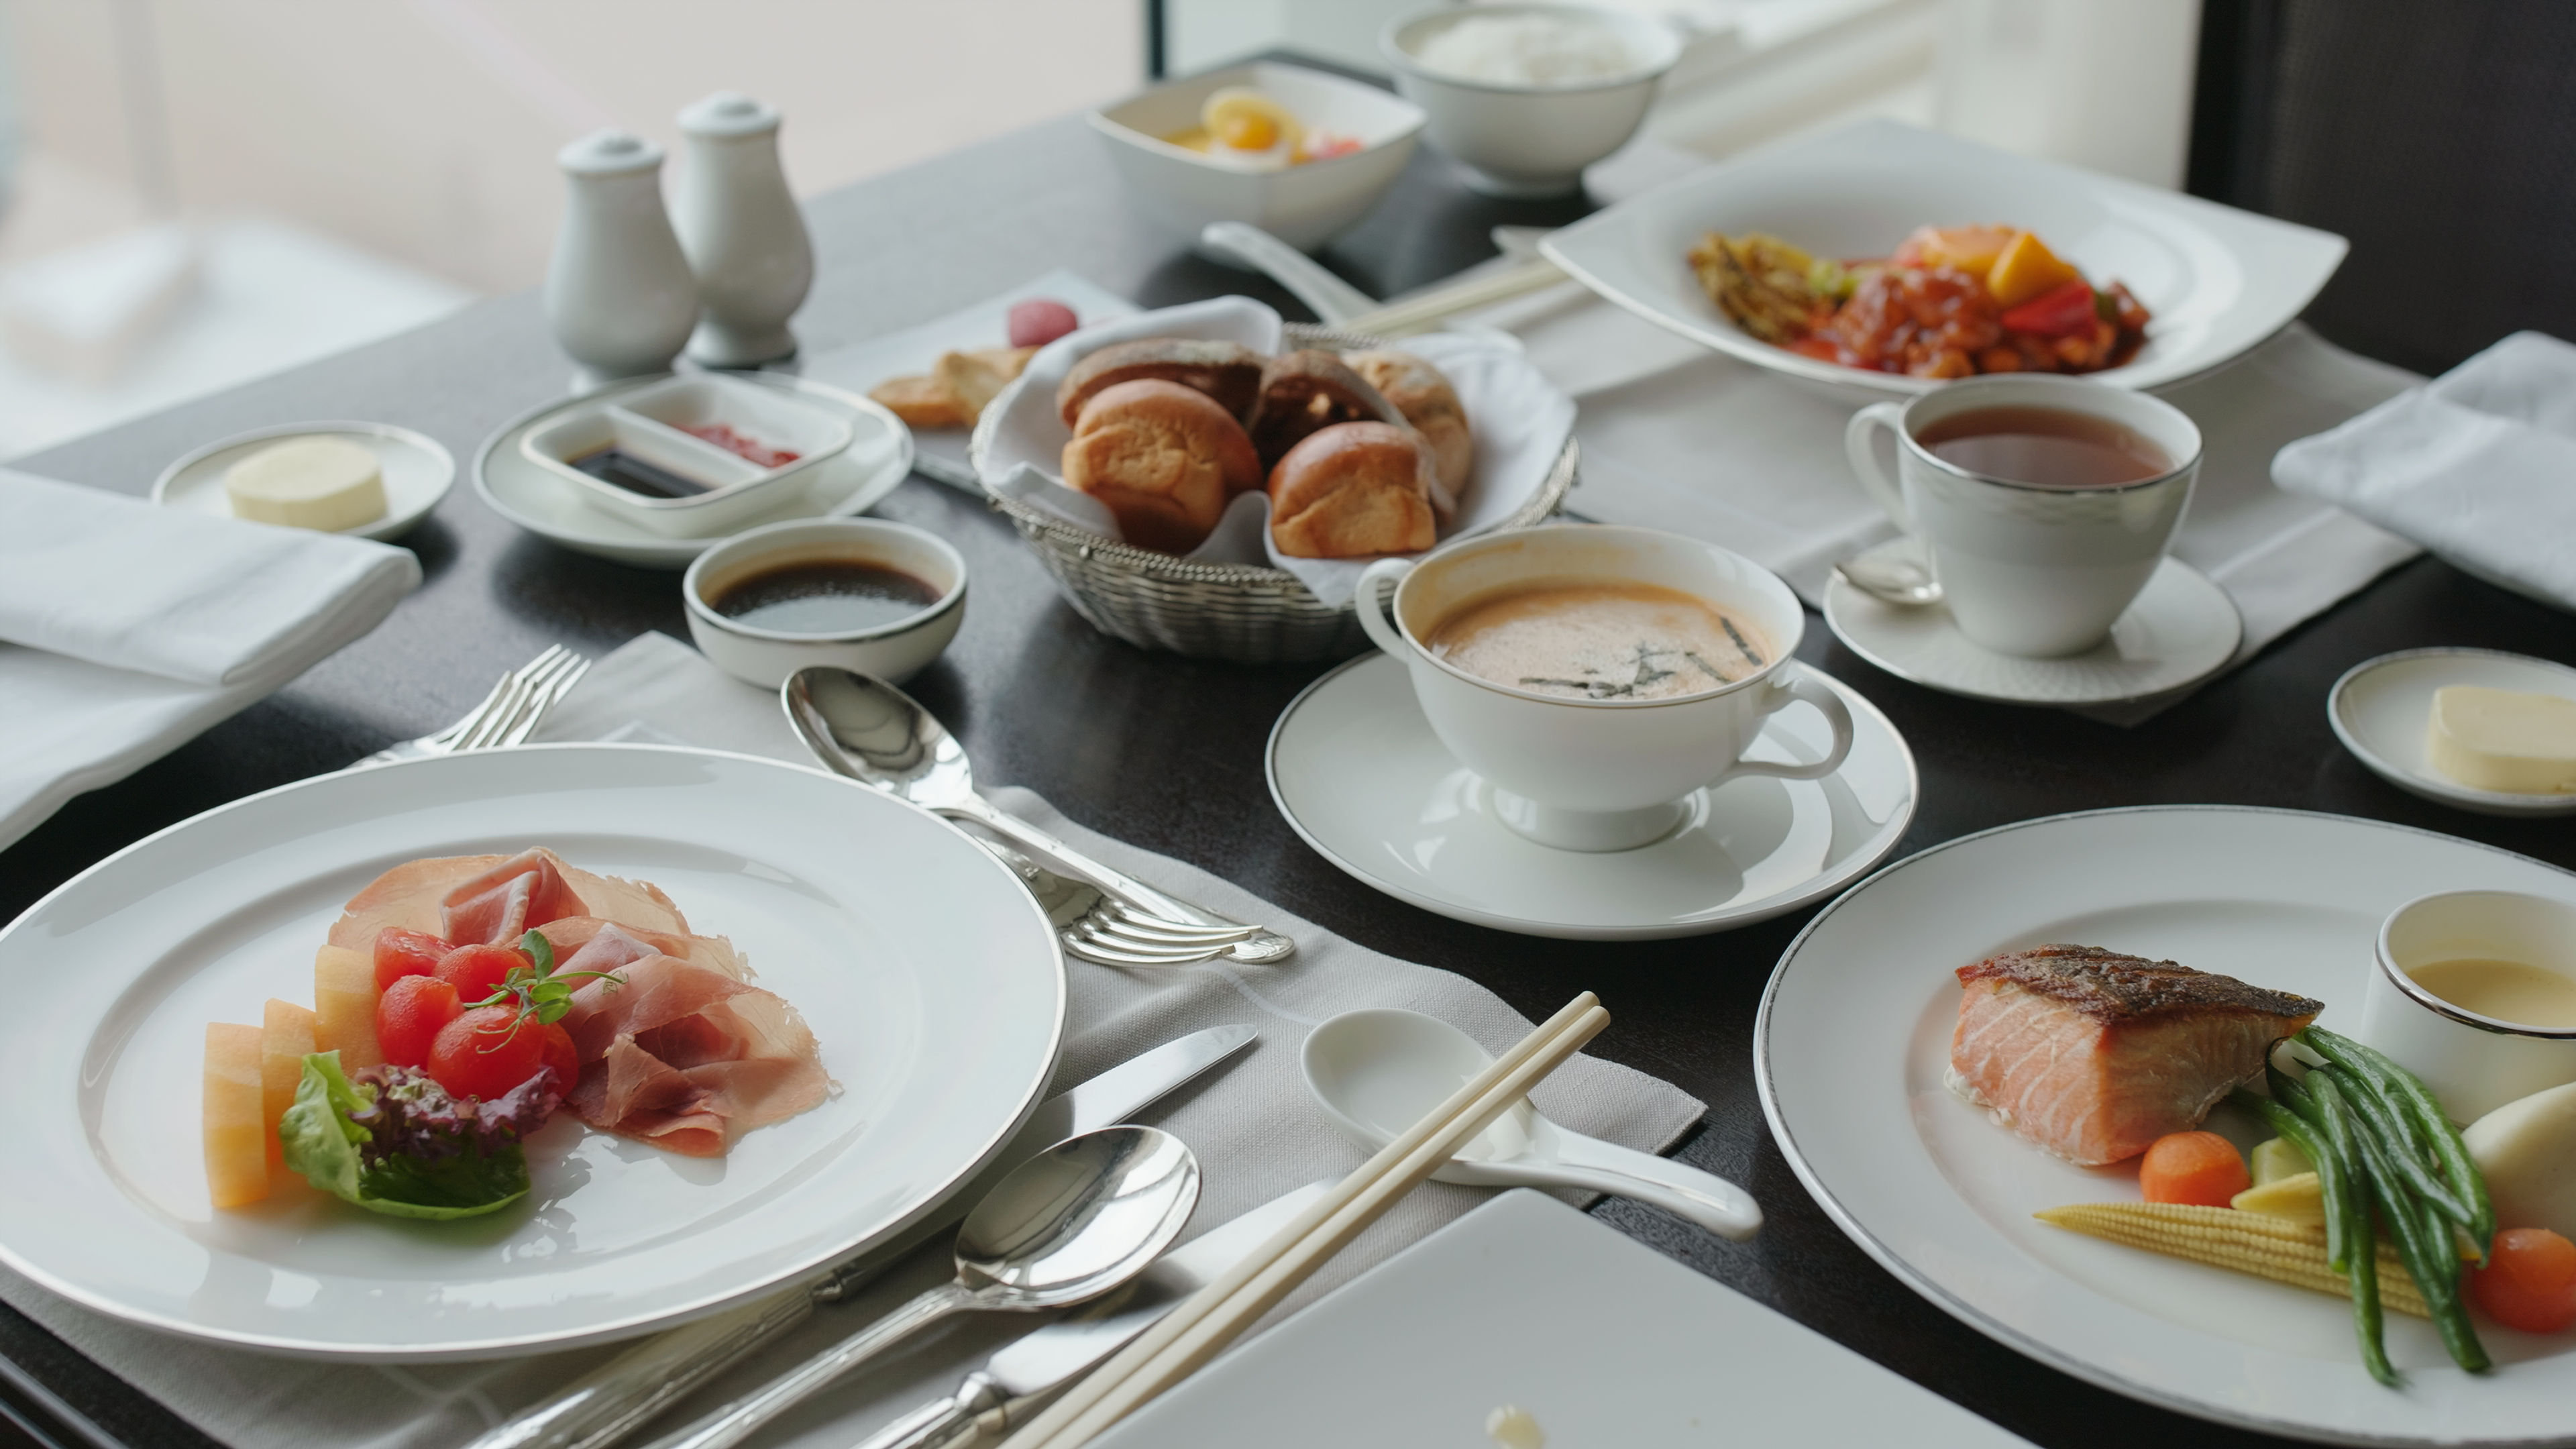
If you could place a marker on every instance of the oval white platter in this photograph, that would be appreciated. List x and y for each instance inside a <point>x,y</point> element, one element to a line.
<point>879,456</point>
<point>1854,1034</point>
<point>927,972</point>
<point>2381,708</point>
<point>417,472</point>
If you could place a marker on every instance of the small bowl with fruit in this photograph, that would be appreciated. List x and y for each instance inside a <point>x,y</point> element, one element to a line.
<point>1297,152</point>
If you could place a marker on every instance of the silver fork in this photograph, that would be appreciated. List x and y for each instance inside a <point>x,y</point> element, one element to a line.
<point>1099,927</point>
<point>507,716</point>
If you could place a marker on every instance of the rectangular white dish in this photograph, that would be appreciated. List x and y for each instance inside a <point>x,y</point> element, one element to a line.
<point>651,425</point>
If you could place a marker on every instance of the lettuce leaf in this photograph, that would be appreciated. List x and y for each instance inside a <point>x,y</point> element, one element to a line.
<point>394,1142</point>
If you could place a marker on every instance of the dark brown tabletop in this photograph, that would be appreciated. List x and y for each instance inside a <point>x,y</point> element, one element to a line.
<point>1166,752</point>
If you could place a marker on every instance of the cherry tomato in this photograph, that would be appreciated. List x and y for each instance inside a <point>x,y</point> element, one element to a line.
<point>477,971</point>
<point>402,953</point>
<point>562,1058</point>
<point>410,1015</point>
<point>486,1052</point>
<point>2529,1281</point>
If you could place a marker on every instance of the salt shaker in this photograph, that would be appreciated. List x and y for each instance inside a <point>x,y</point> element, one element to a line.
<point>743,234</point>
<point>619,293</point>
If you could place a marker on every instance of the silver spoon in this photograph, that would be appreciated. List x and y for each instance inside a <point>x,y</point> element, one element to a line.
<point>1895,572</point>
<point>872,732</point>
<point>1072,1223</point>
<point>1376,1071</point>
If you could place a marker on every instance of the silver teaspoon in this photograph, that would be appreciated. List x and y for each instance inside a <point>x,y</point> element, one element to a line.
<point>868,730</point>
<point>1895,571</point>
<point>1072,1223</point>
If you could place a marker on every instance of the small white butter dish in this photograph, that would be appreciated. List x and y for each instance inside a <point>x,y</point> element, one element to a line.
<point>2382,708</point>
<point>415,472</point>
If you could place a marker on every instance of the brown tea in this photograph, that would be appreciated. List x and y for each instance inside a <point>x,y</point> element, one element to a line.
<point>1599,641</point>
<point>2044,447</point>
<point>825,596</point>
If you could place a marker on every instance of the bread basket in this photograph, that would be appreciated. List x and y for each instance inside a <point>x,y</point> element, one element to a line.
<point>1248,613</point>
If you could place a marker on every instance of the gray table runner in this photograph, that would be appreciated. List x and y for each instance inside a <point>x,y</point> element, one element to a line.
<point>1249,1122</point>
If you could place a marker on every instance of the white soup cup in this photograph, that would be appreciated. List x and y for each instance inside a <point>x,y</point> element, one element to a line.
<point>2474,1063</point>
<point>2027,570</point>
<point>1605,774</point>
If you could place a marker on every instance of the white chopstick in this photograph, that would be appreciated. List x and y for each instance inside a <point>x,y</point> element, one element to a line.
<point>1201,1327</point>
<point>1417,313</point>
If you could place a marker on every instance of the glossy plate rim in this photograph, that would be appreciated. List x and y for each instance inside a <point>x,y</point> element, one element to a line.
<point>2424,784</point>
<point>395,522</point>
<point>1884,840</point>
<point>1839,596</point>
<point>658,551</point>
<point>1927,1281</point>
<point>488,1347</point>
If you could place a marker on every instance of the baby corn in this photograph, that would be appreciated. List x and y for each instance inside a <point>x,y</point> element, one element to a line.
<point>2265,1246</point>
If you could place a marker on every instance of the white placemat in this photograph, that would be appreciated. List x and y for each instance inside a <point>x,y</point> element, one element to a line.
<point>1254,1132</point>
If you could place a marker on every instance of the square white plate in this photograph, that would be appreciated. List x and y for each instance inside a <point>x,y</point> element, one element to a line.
<point>1598,1337</point>
<point>2217,280</point>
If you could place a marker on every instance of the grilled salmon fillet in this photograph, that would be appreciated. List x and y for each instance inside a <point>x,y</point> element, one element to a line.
<point>2094,1055</point>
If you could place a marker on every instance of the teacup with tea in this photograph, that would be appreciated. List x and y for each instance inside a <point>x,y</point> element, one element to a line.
<point>1598,676</point>
<point>2045,503</point>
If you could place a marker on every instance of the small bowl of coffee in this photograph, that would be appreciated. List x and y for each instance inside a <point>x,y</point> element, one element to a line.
<point>881,598</point>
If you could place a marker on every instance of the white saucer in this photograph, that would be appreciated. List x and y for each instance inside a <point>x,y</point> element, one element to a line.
<point>879,455</point>
<point>1359,775</point>
<point>2182,629</point>
<point>2381,707</point>
<point>417,471</point>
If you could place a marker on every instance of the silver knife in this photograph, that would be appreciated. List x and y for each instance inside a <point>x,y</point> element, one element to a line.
<point>999,1396</point>
<point>605,1404</point>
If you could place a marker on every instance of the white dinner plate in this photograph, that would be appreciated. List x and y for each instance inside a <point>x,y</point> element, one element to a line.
<point>552,507</point>
<point>2217,280</point>
<point>927,972</point>
<point>1854,1034</point>
<point>1359,775</point>
<point>2381,708</point>
<point>1598,1338</point>
<point>2182,629</point>
<point>417,472</point>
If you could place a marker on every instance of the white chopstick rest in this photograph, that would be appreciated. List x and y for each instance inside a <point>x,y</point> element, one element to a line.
<point>1200,1328</point>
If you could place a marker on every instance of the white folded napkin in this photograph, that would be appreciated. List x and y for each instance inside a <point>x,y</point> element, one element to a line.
<point>2478,465</point>
<point>126,629</point>
<point>1520,421</point>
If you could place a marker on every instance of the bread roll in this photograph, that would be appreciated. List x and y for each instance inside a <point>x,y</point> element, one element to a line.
<point>1303,393</point>
<point>1164,458</point>
<point>1226,371</point>
<point>1431,405</point>
<point>1354,490</point>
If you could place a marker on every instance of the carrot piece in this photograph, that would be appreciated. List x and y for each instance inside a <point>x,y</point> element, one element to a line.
<point>286,1039</point>
<point>2529,1281</point>
<point>2200,1168</point>
<point>344,1000</point>
<point>236,1138</point>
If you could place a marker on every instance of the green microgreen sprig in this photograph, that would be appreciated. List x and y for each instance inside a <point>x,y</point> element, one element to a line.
<point>539,994</point>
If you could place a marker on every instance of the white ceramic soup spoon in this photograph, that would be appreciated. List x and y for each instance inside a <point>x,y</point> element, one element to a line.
<point>1375,1072</point>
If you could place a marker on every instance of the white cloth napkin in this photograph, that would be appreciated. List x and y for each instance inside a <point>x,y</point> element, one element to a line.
<point>126,629</point>
<point>1249,1121</point>
<point>1518,417</point>
<point>2478,465</point>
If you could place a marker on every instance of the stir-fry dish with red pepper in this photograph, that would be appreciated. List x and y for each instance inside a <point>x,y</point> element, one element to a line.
<point>1952,301</point>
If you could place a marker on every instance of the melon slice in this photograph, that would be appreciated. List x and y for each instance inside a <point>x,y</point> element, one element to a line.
<point>286,1039</point>
<point>344,1004</point>
<point>237,1135</point>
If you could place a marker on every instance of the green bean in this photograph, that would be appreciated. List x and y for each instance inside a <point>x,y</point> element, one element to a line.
<point>2328,1111</point>
<point>2424,1244</point>
<point>2405,1154</point>
<point>2435,1124</point>
<point>2332,1181</point>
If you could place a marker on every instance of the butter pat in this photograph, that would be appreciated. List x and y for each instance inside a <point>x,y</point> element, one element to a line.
<point>2503,739</point>
<point>320,483</point>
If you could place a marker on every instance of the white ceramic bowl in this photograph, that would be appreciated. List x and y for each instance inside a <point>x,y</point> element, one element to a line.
<point>1530,140</point>
<point>651,424</point>
<point>1304,206</point>
<point>2474,1063</point>
<point>892,652</point>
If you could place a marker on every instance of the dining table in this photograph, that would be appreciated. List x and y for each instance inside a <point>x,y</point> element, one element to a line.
<point>1167,752</point>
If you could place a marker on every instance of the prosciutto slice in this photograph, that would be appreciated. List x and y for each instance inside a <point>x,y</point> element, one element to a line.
<point>509,900</point>
<point>414,896</point>
<point>687,1054</point>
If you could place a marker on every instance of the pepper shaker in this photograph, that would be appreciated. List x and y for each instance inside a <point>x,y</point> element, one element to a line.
<point>619,293</point>
<point>744,237</point>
